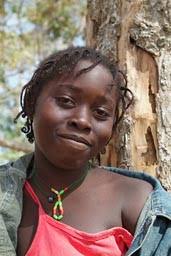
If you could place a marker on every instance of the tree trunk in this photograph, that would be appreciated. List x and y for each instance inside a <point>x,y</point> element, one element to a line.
<point>137,34</point>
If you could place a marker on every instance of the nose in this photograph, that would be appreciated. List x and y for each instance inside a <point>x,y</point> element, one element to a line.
<point>81,120</point>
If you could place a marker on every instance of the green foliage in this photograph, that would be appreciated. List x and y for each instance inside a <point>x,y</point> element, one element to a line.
<point>29,31</point>
<point>51,16</point>
<point>2,74</point>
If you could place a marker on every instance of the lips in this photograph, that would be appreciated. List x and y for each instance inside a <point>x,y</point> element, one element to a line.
<point>75,138</point>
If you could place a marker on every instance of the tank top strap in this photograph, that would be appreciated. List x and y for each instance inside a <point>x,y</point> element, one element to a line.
<point>33,195</point>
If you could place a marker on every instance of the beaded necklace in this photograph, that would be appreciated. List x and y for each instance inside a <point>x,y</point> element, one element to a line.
<point>57,196</point>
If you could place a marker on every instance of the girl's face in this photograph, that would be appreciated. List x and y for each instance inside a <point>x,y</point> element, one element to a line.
<point>73,119</point>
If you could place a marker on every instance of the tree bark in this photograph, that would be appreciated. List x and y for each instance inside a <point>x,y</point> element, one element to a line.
<point>137,34</point>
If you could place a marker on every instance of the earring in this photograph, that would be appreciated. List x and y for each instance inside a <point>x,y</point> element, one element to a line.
<point>103,151</point>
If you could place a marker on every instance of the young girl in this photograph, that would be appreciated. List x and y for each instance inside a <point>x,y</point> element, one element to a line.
<point>54,202</point>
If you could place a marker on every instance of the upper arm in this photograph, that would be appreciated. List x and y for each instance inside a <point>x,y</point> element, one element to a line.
<point>137,192</point>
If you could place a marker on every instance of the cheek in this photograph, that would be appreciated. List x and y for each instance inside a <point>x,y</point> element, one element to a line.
<point>104,134</point>
<point>46,115</point>
<point>43,123</point>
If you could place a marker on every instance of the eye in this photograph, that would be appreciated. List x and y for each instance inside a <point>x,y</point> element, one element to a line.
<point>65,101</point>
<point>101,114</point>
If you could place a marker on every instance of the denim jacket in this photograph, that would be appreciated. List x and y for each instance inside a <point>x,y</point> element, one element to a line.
<point>153,231</point>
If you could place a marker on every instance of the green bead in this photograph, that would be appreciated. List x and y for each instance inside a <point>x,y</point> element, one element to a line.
<point>60,203</point>
<point>58,217</point>
<point>61,192</point>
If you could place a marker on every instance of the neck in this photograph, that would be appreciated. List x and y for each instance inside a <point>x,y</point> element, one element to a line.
<point>54,175</point>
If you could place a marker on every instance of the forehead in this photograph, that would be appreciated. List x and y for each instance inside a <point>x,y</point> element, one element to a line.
<point>87,64</point>
<point>86,73</point>
<point>85,76</point>
<point>97,81</point>
<point>97,77</point>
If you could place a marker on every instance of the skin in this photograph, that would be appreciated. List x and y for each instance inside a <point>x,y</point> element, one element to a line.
<point>73,122</point>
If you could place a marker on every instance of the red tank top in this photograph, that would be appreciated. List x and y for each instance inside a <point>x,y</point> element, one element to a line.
<point>54,238</point>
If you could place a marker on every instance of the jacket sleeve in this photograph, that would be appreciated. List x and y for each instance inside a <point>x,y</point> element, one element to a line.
<point>6,245</point>
<point>10,209</point>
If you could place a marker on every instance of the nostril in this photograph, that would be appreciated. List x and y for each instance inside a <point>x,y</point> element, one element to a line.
<point>80,124</point>
<point>73,123</point>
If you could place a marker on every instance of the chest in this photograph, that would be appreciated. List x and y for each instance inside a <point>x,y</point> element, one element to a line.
<point>87,211</point>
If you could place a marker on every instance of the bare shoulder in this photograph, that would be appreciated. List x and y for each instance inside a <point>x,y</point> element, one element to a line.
<point>111,180</point>
<point>130,193</point>
<point>135,188</point>
<point>126,184</point>
<point>136,193</point>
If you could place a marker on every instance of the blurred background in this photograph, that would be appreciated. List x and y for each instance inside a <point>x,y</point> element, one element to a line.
<point>135,34</point>
<point>29,31</point>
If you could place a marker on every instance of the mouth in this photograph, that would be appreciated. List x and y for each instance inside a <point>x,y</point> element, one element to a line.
<point>75,138</point>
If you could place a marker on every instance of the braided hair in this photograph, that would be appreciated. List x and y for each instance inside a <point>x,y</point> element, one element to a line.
<point>62,64</point>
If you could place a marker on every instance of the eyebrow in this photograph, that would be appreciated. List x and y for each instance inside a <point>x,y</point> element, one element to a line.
<point>75,89</point>
<point>71,87</point>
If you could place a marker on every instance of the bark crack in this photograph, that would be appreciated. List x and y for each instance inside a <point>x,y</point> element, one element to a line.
<point>150,156</point>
